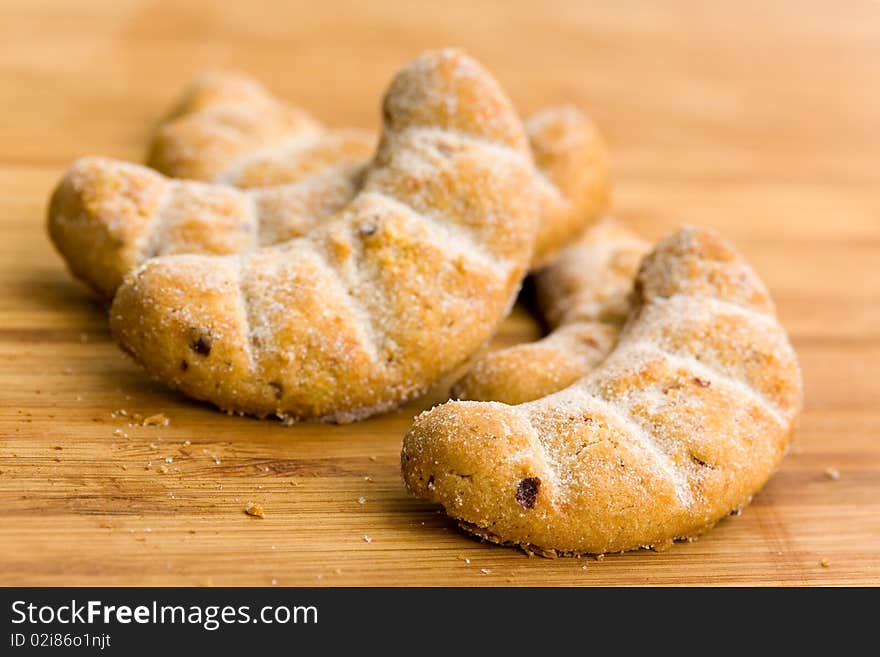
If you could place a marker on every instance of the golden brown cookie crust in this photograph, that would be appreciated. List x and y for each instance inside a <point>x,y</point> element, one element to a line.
<point>683,422</point>
<point>584,298</point>
<point>374,304</point>
<point>260,147</point>
<point>290,187</point>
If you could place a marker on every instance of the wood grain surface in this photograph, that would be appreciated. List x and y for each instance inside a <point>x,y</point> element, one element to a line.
<point>759,118</point>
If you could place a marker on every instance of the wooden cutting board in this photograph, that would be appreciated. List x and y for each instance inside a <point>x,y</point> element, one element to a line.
<point>760,119</point>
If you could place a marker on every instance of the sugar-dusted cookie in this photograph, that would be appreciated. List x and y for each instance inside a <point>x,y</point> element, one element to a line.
<point>584,298</point>
<point>107,217</point>
<point>229,128</point>
<point>374,304</point>
<point>683,422</point>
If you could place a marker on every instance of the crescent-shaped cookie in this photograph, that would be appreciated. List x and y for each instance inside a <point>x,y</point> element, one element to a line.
<point>584,299</point>
<point>107,217</point>
<point>683,422</point>
<point>229,128</point>
<point>377,302</point>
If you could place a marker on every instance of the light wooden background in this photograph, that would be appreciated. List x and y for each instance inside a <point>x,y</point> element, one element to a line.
<point>759,118</point>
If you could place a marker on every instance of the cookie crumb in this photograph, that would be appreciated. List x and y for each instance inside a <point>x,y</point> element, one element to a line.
<point>368,479</point>
<point>163,469</point>
<point>824,563</point>
<point>485,571</point>
<point>362,500</point>
<point>274,582</point>
<point>600,557</point>
<point>832,473</point>
<point>368,538</point>
<point>157,420</point>
<point>255,509</point>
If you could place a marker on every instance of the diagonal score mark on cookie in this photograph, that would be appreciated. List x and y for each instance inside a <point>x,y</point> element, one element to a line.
<point>229,129</point>
<point>299,346</point>
<point>682,423</point>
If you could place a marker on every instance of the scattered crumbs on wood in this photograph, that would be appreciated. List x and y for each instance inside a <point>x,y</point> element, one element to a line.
<point>466,560</point>
<point>255,509</point>
<point>169,459</point>
<point>163,469</point>
<point>148,529</point>
<point>485,571</point>
<point>187,443</point>
<point>368,538</point>
<point>124,467</point>
<point>362,500</point>
<point>824,563</point>
<point>154,446</point>
<point>584,567</point>
<point>600,557</point>
<point>368,479</point>
<point>373,458</point>
<point>274,582</point>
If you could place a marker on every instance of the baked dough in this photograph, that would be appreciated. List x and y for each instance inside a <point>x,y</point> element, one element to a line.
<point>682,423</point>
<point>107,217</point>
<point>374,304</point>
<point>584,299</point>
<point>229,128</point>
